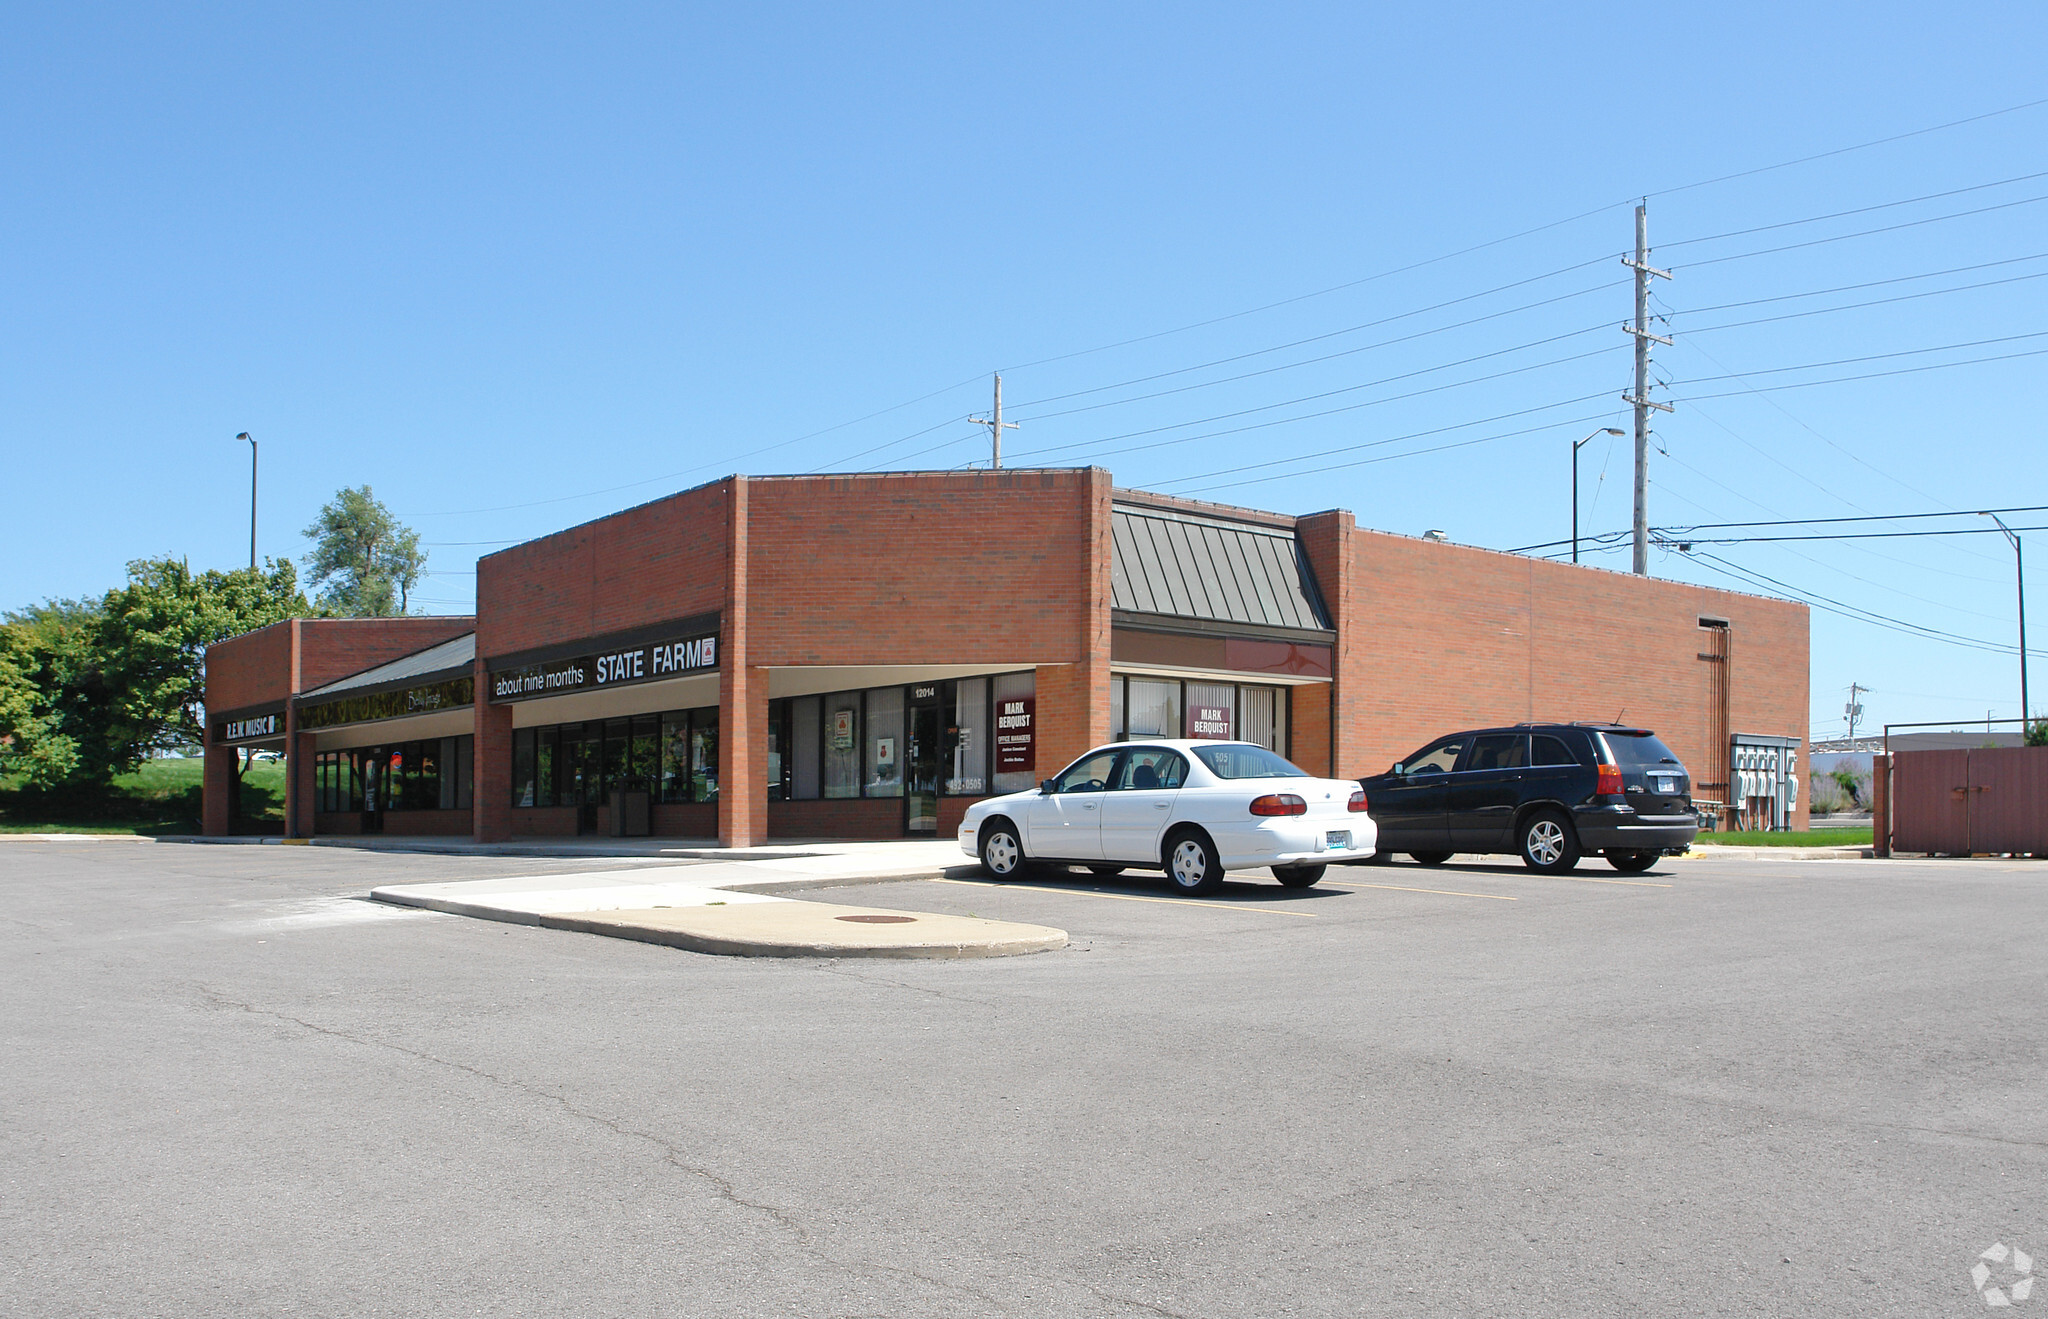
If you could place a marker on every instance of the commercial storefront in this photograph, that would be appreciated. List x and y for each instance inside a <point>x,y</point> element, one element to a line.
<point>864,656</point>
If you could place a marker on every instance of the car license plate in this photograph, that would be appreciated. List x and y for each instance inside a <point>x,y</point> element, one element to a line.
<point>1664,786</point>
<point>1340,838</point>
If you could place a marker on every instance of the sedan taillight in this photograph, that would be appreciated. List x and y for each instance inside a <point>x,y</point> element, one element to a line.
<point>1357,802</point>
<point>1279,803</point>
<point>1609,782</point>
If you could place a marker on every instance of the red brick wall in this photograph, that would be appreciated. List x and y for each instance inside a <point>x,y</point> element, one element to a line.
<point>852,817</point>
<point>1449,637</point>
<point>926,567</point>
<point>697,819</point>
<point>331,649</point>
<point>402,824</point>
<point>251,669</point>
<point>649,564</point>
<point>1309,733</point>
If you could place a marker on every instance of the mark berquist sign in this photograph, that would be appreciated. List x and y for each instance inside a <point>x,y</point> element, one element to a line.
<point>613,668</point>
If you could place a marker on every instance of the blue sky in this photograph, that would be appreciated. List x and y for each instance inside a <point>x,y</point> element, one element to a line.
<point>518,266</point>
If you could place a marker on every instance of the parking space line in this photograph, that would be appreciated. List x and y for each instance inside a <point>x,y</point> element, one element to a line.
<point>1588,879</point>
<point>1134,897</point>
<point>1403,888</point>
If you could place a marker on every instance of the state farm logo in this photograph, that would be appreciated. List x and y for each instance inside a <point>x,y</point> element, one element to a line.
<point>2003,1274</point>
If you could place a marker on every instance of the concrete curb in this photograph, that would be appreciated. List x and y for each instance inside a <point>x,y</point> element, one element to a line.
<point>814,929</point>
<point>80,838</point>
<point>1715,851</point>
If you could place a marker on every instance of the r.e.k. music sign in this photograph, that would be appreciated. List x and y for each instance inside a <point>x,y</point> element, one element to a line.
<point>614,668</point>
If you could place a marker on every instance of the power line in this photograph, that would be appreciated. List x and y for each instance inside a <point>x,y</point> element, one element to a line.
<point>1860,210</point>
<point>1815,600</point>
<point>701,467</point>
<point>1349,352</point>
<point>1848,288</point>
<point>1861,146</point>
<point>1526,233</point>
<point>1861,233</point>
<point>1874,302</point>
<point>1872,357</point>
<point>1868,375</point>
<point>1328,412</point>
<point>1387,458</point>
<point>1349,329</point>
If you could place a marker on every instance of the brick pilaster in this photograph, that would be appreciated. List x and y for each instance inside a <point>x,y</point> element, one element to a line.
<point>491,777</point>
<point>742,696</point>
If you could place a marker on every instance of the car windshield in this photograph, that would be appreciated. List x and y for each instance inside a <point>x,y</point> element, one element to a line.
<point>1238,760</point>
<point>1638,750</point>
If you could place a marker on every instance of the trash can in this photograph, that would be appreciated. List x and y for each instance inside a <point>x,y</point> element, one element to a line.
<point>630,814</point>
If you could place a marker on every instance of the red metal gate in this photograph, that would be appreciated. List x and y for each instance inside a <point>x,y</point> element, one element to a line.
<point>1992,799</point>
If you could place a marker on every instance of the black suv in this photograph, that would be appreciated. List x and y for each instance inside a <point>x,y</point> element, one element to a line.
<point>1552,792</point>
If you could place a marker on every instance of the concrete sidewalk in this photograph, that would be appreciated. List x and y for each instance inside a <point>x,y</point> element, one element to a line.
<point>734,906</point>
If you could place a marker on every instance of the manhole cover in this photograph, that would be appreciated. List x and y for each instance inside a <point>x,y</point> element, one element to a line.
<point>868,919</point>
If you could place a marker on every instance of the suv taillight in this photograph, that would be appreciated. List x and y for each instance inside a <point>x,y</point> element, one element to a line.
<point>1357,802</point>
<point>1609,783</point>
<point>1279,803</point>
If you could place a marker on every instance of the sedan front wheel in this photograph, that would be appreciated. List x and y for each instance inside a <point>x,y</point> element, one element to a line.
<point>1002,852</point>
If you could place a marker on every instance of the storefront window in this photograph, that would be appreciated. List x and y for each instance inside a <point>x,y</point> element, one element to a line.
<point>778,751</point>
<point>1117,726</point>
<point>1212,711</point>
<point>1016,731</point>
<point>522,767</point>
<point>547,762</point>
<point>1260,718</point>
<point>1154,708</point>
<point>645,754</point>
<point>806,743</point>
<point>704,755</point>
<point>966,744</point>
<point>675,757</point>
<point>842,745</point>
<point>885,746</point>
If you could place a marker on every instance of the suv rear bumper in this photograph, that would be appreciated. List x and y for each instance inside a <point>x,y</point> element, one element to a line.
<point>1604,827</point>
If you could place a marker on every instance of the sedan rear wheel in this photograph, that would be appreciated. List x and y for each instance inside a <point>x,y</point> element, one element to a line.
<point>1429,858</point>
<point>1299,876</point>
<point>1192,864</point>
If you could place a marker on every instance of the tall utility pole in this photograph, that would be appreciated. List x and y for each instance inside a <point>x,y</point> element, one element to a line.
<point>996,426</point>
<point>1854,709</point>
<point>252,497</point>
<point>1641,398</point>
<point>2019,568</point>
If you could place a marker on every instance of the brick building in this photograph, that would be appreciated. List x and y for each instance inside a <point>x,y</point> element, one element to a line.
<point>864,656</point>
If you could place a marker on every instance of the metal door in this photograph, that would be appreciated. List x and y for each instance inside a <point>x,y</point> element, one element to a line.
<point>2008,799</point>
<point>1930,802</point>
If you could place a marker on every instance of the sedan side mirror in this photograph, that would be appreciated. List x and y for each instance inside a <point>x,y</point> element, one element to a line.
<point>1396,769</point>
<point>1045,788</point>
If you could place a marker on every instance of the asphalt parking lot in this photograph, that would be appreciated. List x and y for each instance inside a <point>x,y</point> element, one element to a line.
<point>234,1087</point>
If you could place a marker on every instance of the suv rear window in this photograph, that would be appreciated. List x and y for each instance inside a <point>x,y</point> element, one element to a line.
<point>1551,751</point>
<point>1637,750</point>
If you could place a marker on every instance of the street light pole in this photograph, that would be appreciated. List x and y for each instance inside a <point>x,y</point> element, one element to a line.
<point>2019,568</point>
<point>252,497</point>
<point>1576,446</point>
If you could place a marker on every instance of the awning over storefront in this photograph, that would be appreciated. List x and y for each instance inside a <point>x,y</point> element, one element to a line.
<point>1168,565</point>
<point>429,693</point>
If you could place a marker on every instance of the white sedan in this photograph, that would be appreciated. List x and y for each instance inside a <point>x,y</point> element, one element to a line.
<point>1194,809</point>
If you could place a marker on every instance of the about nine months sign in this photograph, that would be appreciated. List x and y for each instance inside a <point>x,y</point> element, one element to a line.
<point>655,662</point>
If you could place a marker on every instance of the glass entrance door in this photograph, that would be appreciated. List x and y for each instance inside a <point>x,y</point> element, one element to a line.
<point>921,779</point>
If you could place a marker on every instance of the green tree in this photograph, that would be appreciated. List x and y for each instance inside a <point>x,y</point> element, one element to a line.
<point>45,666</point>
<point>366,562</point>
<point>88,689</point>
<point>2037,733</point>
